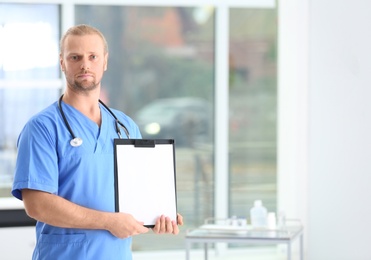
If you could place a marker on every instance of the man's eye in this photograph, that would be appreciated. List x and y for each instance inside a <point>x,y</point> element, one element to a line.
<point>93,57</point>
<point>74,57</point>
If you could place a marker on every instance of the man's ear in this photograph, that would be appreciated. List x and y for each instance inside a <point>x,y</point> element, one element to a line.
<point>61,63</point>
<point>105,61</point>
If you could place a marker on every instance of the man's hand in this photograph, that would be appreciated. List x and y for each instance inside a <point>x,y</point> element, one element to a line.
<point>124,225</point>
<point>164,225</point>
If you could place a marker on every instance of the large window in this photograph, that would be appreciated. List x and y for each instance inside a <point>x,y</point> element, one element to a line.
<point>29,74</point>
<point>252,109</point>
<point>162,72</point>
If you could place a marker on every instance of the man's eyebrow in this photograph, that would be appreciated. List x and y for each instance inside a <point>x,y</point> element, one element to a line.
<point>73,53</point>
<point>78,53</point>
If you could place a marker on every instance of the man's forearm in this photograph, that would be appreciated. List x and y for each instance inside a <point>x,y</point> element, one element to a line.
<point>57,211</point>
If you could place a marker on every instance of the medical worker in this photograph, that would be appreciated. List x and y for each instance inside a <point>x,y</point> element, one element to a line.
<point>64,170</point>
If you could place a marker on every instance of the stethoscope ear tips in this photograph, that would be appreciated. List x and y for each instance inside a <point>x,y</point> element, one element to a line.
<point>77,141</point>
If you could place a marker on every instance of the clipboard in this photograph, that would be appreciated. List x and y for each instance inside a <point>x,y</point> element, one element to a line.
<point>145,179</point>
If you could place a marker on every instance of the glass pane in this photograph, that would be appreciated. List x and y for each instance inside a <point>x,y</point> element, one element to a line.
<point>160,72</point>
<point>29,41</point>
<point>253,109</point>
<point>29,35</point>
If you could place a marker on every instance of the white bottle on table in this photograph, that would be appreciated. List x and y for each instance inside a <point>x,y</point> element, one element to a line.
<point>258,215</point>
<point>271,220</point>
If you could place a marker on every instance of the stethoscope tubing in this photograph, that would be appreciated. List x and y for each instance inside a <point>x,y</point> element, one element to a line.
<point>76,141</point>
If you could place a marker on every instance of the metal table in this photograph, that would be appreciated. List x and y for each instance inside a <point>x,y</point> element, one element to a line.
<point>204,235</point>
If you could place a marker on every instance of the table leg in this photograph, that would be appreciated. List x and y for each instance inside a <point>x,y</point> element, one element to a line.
<point>206,249</point>
<point>301,247</point>
<point>188,248</point>
<point>289,250</point>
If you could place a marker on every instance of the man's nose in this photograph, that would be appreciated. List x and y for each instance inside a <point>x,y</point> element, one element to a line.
<point>85,64</point>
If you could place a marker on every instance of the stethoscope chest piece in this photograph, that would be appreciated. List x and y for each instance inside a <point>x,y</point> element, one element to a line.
<point>77,141</point>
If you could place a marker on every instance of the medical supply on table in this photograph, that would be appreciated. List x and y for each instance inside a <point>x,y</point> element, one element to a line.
<point>281,222</point>
<point>258,215</point>
<point>236,221</point>
<point>271,220</point>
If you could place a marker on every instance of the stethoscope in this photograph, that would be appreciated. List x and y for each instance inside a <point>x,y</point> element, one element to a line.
<point>77,141</point>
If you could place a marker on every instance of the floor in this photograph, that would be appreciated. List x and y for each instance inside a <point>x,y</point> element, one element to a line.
<point>12,248</point>
<point>271,253</point>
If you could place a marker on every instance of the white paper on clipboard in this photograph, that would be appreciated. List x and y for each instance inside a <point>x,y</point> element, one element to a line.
<point>145,179</point>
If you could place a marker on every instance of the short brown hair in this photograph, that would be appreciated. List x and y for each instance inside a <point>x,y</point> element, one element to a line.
<point>80,30</point>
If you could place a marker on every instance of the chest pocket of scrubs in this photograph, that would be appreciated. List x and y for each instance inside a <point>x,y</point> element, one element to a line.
<point>64,246</point>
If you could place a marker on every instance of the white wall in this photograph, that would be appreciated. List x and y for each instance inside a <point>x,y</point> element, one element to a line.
<point>325,124</point>
<point>339,170</point>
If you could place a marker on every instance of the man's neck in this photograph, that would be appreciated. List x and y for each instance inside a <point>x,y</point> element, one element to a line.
<point>86,104</point>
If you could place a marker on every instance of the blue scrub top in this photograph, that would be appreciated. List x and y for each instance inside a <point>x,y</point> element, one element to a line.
<point>84,175</point>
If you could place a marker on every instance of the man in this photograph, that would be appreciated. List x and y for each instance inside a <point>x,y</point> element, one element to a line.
<point>67,186</point>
